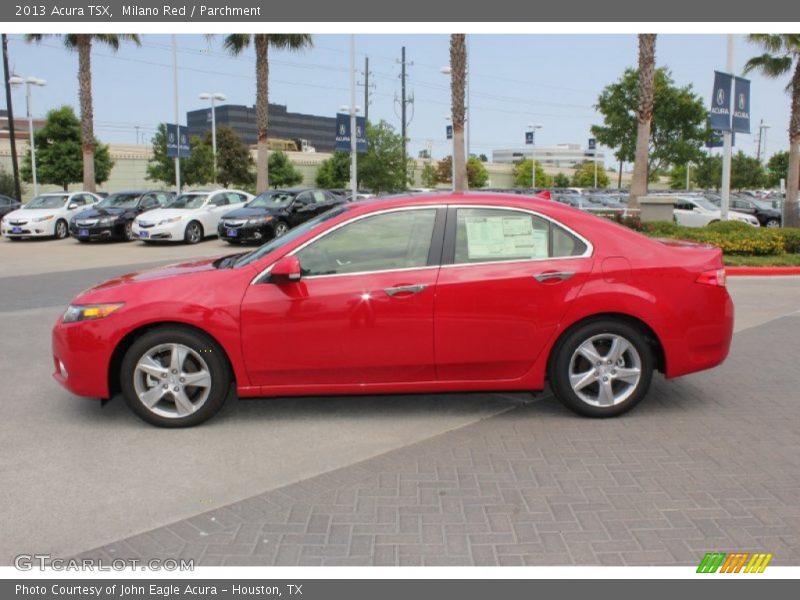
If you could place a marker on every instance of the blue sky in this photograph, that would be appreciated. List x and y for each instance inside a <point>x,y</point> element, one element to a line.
<point>552,80</point>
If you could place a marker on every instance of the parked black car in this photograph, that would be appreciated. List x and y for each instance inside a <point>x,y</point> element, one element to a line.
<point>7,205</point>
<point>273,213</point>
<point>112,217</point>
<point>763,210</point>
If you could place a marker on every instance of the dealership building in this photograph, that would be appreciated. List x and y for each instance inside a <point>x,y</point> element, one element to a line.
<point>306,131</point>
<point>566,156</point>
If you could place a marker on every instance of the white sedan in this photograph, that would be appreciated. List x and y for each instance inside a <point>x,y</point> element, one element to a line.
<point>696,211</point>
<point>190,217</point>
<point>47,215</point>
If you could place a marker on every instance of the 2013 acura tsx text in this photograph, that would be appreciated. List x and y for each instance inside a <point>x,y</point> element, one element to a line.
<point>438,293</point>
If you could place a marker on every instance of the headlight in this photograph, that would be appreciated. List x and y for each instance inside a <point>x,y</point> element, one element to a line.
<point>107,220</point>
<point>257,220</point>
<point>89,312</point>
<point>171,220</point>
<point>40,219</point>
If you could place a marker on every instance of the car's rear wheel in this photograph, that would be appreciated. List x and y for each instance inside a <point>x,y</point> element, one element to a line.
<point>174,377</point>
<point>194,233</point>
<point>602,369</point>
<point>281,229</point>
<point>772,223</point>
<point>128,234</point>
<point>61,230</point>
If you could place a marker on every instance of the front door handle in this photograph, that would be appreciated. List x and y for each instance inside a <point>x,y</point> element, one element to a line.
<point>553,276</point>
<point>405,289</point>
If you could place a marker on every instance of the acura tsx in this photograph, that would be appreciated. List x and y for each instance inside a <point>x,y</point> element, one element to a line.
<point>431,293</point>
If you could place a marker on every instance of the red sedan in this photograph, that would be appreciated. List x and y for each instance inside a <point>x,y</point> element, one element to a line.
<point>435,293</point>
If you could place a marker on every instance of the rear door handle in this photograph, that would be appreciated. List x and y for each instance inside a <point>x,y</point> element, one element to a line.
<point>553,276</point>
<point>405,289</point>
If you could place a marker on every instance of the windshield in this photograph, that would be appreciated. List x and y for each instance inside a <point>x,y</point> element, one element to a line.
<point>56,201</point>
<point>119,201</point>
<point>704,203</point>
<point>289,237</point>
<point>188,201</point>
<point>272,200</point>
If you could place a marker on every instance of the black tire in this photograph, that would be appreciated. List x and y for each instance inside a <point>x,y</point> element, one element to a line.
<point>193,233</point>
<point>127,232</point>
<point>61,230</point>
<point>561,364</point>
<point>772,223</point>
<point>204,346</point>
<point>281,228</point>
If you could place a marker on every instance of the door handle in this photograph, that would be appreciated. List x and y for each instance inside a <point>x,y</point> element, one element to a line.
<point>553,276</point>
<point>405,289</point>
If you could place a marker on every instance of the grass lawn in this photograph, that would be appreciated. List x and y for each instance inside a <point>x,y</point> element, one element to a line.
<point>779,260</point>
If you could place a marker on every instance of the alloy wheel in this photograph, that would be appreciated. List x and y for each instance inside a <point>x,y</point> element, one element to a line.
<point>281,229</point>
<point>605,370</point>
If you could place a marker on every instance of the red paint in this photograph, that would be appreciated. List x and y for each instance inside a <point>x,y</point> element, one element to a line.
<point>473,327</point>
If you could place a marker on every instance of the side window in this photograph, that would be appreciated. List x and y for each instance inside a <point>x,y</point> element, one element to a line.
<point>320,196</point>
<point>304,199</point>
<point>148,201</point>
<point>395,240</point>
<point>78,200</point>
<point>489,235</point>
<point>234,198</point>
<point>219,200</point>
<point>162,199</point>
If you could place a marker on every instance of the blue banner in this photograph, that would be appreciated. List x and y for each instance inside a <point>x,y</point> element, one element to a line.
<point>741,105</point>
<point>719,117</point>
<point>529,137</point>
<point>177,141</point>
<point>343,133</point>
<point>448,131</point>
<point>592,145</point>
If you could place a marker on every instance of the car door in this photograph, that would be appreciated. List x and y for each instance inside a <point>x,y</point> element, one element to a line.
<point>686,214</point>
<point>303,208</point>
<point>506,280</point>
<point>362,312</point>
<point>218,205</point>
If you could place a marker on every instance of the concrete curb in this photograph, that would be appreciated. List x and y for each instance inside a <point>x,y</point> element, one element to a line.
<point>762,271</point>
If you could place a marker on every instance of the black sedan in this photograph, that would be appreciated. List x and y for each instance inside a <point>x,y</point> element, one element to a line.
<point>112,217</point>
<point>7,205</point>
<point>764,211</point>
<point>273,213</point>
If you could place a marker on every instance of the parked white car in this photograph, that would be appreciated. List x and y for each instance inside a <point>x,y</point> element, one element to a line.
<point>190,217</point>
<point>697,211</point>
<point>47,215</point>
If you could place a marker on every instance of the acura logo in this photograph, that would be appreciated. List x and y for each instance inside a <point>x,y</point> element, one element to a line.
<point>720,96</point>
<point>742,102</point>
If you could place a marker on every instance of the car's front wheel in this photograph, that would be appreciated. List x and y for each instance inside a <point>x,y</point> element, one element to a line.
<point>61,230</point>
<point>174,377</point>
<point>602,369</point>
<point>772,223</point>
<point>128,234</point>
<point>194,233</point>
<point>281,229</point>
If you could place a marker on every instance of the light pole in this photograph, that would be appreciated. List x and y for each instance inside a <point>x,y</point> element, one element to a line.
<point>213,97</point>
<point>29,81</point>
<point>353,112</point>
<point>532,127</point>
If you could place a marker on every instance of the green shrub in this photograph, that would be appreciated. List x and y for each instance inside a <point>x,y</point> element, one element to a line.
<point>791,239</point>
<point>729,227</point>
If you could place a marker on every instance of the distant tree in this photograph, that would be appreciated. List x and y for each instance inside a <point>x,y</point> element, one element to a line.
<point>560,180</point>
<point>198,167</point>
<point>161,167</point>
<point>746,172</point>
<point>477,175</point>
<point>677,177</point>
<point>59,152</point>
<point>444,170</point>
<point>282,172</point>
<point>235,165</point>
<point>7,184</point>
<point>708,172</point>
<point>483,158</point>
<point>429,176</point>
<point>584,176</point>
<point>381,168</point>
<point>424,154</point>
<point>522,174</point>
<point>677,130</point>
<point>777,168</point>
<point>334,172</point>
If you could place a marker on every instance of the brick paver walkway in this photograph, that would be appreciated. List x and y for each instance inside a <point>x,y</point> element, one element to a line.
<point>707,462</point>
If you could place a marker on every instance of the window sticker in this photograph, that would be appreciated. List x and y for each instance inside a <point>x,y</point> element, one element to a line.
<point>503,238</point>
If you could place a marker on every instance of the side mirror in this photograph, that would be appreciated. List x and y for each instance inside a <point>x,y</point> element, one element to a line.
<point>72,206</point>
<point>286,270</point>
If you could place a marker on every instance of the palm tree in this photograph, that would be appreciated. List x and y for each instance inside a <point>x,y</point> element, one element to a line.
<point>644,114</point>
<point>458,77</point>
<point>781,56</point>
<point>82,42</point>
<point>236,43</point>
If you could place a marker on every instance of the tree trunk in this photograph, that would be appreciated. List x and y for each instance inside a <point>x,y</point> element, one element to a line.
<point>458,76</point>
<point>793,176</point>
<point>262,110</point>
<point>87,111</point>
<point>647,60</point>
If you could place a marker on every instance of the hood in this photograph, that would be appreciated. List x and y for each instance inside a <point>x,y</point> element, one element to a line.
<point>175,270</point>
<point>245,212</point>
<point>28,214</point>
<point>159,214</point>
<point>92,213</point>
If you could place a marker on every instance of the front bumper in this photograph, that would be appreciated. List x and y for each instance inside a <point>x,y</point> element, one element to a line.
<point>98,232</point>
<point>30,229</point>
<point>81,357</point>
<point>261,232</point>
<point>169,232</point>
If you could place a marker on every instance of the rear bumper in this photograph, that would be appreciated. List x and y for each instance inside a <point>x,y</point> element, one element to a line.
<point>81,359</point>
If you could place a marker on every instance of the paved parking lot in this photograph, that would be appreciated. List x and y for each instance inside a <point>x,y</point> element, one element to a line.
<point>708,462</point>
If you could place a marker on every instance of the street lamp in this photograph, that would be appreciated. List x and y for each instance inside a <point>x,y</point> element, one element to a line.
<point>532,127</point>
<point>29,81</point>
<point>353,111</point>
<point>213,97</point>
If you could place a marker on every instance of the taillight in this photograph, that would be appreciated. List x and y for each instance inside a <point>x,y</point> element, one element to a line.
<point>715,277</point>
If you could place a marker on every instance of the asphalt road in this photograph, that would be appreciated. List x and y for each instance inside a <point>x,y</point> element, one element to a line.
<point>75,475</point>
